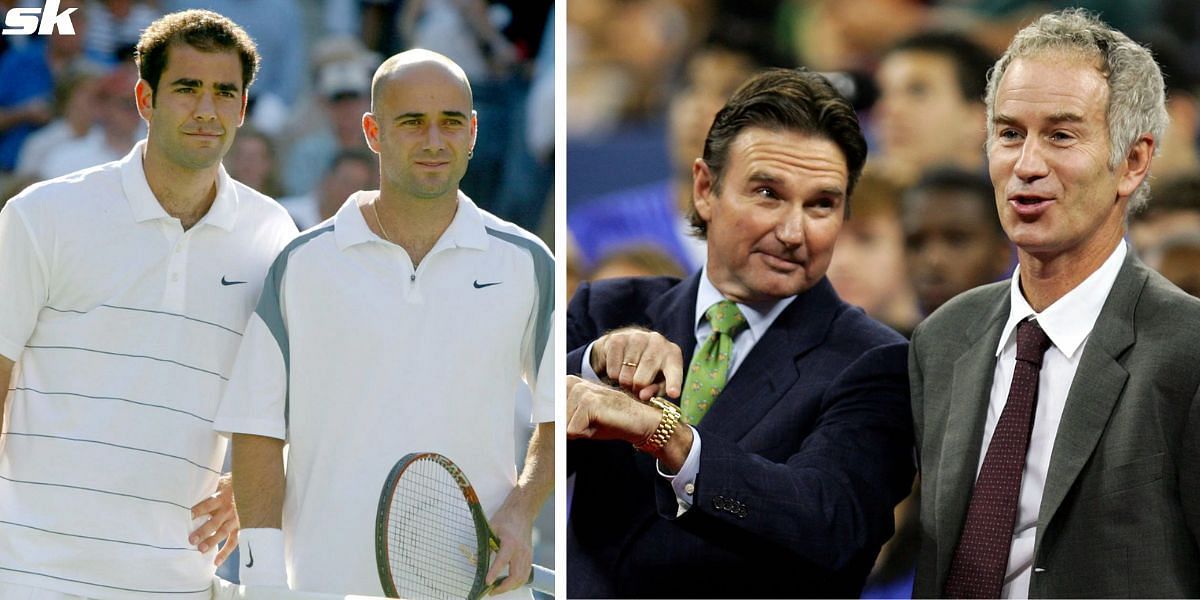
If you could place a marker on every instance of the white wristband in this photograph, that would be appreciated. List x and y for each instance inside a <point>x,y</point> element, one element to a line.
<point>261,557</point>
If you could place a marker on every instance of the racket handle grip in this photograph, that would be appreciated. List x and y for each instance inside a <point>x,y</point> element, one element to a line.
<point>542,580</point>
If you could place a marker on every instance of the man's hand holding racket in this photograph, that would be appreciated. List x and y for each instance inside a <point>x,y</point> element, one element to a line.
<point>513,525</point>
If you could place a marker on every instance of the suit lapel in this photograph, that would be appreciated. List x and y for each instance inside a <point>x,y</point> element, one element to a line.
<point>1097,386</point>
<point>966,415</point>
<point>770,368</point>
<point>673,314</point>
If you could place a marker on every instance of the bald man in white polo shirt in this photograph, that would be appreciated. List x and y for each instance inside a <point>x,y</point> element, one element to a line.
<point>405,323</point>
<point>126,289</point>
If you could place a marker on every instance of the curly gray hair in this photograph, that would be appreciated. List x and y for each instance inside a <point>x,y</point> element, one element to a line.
<point>1136,98</point>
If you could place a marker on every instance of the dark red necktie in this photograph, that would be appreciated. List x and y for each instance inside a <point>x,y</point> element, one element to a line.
<point>981,557</point>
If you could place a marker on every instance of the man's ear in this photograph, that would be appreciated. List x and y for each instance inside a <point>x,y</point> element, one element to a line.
<point>702,189</point>
<point>1136,165</point>
<point>370,127</point>
<point>143,96</point>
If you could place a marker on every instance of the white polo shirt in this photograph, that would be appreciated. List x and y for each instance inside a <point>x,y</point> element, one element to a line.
<point>356,360</point>
<point>124,329</point>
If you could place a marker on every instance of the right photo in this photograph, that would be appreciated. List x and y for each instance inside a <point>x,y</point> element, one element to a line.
<point>882,299</point>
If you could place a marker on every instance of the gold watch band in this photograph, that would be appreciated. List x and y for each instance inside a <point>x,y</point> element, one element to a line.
<point>666,426</point>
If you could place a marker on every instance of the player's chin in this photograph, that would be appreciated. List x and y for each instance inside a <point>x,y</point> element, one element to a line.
<point>771,285</point>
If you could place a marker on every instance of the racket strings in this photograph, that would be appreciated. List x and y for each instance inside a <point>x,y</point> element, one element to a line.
<point>432,542</point>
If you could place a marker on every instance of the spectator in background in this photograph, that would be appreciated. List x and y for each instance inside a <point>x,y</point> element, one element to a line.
<point>76,103</point>
<point>28,74</point>
<point>637,261</point>
<point>120,128</point>
<point>344,87</point>
<point>1174,209</point>
<point>115,25</point>
<point>930,110</point>
<point>656,214</point>
<point>351,170</point>
<point>868,267</point>
<point>251,161</point>
<point>1178,259</point>
<point>952,236</point>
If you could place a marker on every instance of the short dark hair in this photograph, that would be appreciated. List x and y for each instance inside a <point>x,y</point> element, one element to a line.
<point>950,179</point>
<point>203,30</point>
<point>796,100</point>
<point>971,61</point>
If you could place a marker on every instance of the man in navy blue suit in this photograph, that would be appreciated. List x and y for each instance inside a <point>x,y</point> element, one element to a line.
<point>771,464</point>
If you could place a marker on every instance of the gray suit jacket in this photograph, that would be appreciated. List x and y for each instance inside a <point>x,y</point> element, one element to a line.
<point>1120,512</point>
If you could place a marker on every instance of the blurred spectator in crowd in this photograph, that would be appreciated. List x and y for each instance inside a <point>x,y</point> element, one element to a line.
<point>27,73</point>
<point>637,261</point>
<point>76,103</point>
<point>251,161</point>
<point>1174,209</point>
<point>930,110</point>
<point>952,235</point>
<point>120,127</point>
<point>344,87</point>
<point>278,30</point>
<point>115,26</point>
<point>1178,259</point>
<point>350,171</point>
<point>619,53</point>
<point>656,214</point>
<point>868,268</point>
<point>838,35</point>
<point>461,30</point>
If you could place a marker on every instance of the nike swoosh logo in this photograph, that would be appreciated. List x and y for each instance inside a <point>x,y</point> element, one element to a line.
<point>480,286</point>
<point>227,282</point>
<point>251,551</point>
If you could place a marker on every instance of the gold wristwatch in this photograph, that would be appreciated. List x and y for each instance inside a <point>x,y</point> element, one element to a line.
<point>666,426</point>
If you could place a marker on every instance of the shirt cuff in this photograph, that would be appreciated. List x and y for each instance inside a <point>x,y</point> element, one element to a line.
<point>585,370</point>
<point>684,482</point>
<point>261,557</point>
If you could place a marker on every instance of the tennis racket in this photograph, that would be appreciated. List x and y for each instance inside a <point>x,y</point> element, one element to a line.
<point>432,539</point>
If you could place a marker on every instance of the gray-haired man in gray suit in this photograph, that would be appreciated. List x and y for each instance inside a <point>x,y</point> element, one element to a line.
<point>1058,414</point>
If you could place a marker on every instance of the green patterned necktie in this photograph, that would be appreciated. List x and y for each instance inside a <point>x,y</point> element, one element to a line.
<point>710,366</point>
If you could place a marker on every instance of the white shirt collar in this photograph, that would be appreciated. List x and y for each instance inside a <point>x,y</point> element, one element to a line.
<point>1070,319</point>
<point>146,207</point>
<point>466,230</point>
<point>759,318</point>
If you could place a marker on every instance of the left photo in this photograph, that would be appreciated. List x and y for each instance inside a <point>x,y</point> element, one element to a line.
<point>278,299</point>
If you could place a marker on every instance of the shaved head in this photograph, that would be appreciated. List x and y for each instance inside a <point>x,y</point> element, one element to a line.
<point>416,63</point>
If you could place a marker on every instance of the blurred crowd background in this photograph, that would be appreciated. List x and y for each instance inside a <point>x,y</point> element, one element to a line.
<point>66,103</point>
<point>646,77</point>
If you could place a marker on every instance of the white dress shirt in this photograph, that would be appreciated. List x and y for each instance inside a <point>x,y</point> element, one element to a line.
<point>758,319</point>
<point>1068,323</point>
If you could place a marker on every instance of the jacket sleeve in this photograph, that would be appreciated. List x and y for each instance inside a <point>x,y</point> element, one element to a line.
<point>833,498</point>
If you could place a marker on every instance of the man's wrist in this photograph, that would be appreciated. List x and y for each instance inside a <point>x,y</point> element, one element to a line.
<point>261,561</point>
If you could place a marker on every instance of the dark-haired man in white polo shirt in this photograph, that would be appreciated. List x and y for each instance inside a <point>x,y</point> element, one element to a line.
<point>402,324</point>
<point>126,289</point>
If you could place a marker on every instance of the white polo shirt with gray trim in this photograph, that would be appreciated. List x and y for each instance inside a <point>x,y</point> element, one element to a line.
<point>357,359</point>
<point>124,328</point>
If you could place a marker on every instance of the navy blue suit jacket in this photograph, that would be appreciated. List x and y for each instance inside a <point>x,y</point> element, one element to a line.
<point>803,456</point>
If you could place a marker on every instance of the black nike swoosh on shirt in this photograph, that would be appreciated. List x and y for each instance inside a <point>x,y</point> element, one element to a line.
<point>251,552</point>
<point>480,286</point>
<point>227,282</point>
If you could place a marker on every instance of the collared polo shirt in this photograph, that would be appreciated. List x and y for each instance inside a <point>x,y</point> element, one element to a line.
<point>124,328</point>
<point>356,359</point>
